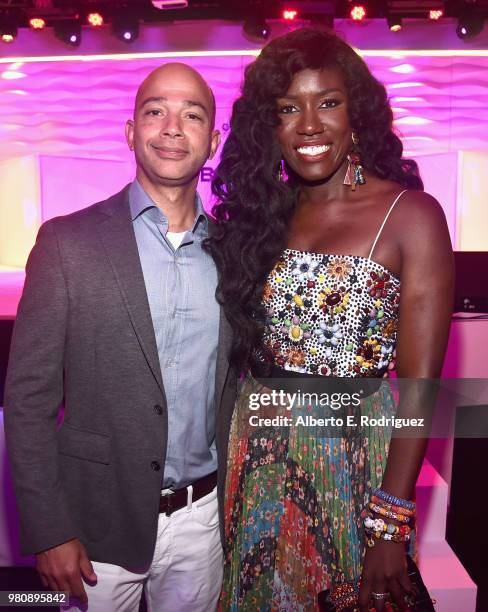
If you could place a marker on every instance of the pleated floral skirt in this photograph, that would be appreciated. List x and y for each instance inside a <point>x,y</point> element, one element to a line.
<point>293,502</point>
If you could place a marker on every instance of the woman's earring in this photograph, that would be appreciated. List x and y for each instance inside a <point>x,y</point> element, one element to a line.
<point>281,171</point>
<point>355,172</point>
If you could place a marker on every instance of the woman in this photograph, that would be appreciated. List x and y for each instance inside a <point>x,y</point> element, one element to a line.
<point>311,266</point>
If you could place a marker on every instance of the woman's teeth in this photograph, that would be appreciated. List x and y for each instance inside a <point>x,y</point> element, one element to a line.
<point>314,150</point>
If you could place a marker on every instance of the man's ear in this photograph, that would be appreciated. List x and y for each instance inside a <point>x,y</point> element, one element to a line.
<point>129,133</point>
<point>214,144</point>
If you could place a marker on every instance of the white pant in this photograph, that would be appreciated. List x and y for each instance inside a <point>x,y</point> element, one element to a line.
<point>185,572</point>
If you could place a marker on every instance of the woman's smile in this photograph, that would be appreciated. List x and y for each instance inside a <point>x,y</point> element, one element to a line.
<point>314,131</point>
<point>313,153</point>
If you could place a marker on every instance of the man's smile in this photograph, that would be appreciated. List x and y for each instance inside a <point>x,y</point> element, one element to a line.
<point>167,152</point>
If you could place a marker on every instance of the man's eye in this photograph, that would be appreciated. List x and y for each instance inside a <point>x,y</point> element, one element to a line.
<point>194,116</point>
<point>153,112</point>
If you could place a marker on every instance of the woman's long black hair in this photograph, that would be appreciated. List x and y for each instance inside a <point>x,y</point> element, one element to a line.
<point>254,208</point>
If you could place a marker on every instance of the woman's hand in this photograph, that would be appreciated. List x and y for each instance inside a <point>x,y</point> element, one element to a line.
<point>384,571</point>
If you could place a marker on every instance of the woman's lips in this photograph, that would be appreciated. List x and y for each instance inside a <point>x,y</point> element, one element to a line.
<point>313,152</point>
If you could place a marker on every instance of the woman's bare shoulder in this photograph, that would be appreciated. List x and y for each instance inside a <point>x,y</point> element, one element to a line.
<point>417,209</point>
<point>420,223</point>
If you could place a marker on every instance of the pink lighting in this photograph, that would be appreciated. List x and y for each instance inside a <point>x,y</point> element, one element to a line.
<point>76,107</point>
<point>11,75</point>
<point>81,102</point>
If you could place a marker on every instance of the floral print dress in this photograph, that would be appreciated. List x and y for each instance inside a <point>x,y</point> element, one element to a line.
<point>293,495</point>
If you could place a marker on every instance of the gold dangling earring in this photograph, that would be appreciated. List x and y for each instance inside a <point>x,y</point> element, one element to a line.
<point>354,173</point>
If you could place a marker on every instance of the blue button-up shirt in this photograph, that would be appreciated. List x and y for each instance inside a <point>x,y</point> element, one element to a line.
<point>180,285</point>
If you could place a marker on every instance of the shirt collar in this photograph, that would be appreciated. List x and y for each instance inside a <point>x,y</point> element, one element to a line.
<point>140,202</point>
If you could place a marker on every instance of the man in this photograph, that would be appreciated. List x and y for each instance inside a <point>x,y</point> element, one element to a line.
<point>119,319</point>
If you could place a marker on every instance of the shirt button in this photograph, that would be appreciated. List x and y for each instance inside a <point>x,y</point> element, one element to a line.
<point>158,409</point>
<point>155,466</point>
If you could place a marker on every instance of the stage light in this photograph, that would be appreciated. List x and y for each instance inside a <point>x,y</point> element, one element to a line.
<point>8,29</point>
<point>95,19</point>
<point>394,23</point>
<point>69,31</point>
<point>37,23</point>
<point>470,23</point>
<point>289,14</point>
<point>436,14</point>
<point>257,28</point>
<point>358,12</point>
<point>126,27</point>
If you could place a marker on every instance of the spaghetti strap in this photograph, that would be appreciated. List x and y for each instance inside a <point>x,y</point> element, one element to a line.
<point>384,221</point>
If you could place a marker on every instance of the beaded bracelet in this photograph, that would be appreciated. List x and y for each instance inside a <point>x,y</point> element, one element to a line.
<point>371,540</point>
<point>380,525</point>
<point>388,536</point>
<point>391,507</point>
<point>393,515</point>
<point>395,538</point>
<point>399,539</point>
<point>392,499</point>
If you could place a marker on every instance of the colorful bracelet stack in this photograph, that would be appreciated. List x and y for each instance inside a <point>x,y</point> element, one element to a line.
<point>388,506</point>
<point>392,507</point>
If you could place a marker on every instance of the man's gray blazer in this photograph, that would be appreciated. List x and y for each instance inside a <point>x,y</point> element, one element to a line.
<point>84,336</point>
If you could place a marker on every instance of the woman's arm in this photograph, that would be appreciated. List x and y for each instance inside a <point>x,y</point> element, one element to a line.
<point>427,279</point>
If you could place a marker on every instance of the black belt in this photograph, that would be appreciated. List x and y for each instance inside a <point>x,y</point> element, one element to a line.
<point>179,498</point>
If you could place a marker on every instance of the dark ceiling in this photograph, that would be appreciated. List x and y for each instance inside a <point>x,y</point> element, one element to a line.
<point>53,10</point>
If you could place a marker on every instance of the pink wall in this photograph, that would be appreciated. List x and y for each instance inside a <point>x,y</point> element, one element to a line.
<point>78,109</point>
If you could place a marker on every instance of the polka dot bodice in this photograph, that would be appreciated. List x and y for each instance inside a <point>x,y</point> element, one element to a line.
<point>331,315</point>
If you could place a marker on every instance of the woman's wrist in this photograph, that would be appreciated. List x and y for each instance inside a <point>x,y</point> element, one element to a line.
<point>388,517</point>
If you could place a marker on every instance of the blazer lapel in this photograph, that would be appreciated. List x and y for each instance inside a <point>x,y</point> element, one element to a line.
<point>225,343</point>
<point>117,234</point>
<point>223,352</point>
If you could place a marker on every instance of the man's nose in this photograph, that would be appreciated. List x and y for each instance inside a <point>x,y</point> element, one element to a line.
<point>172,125</point>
